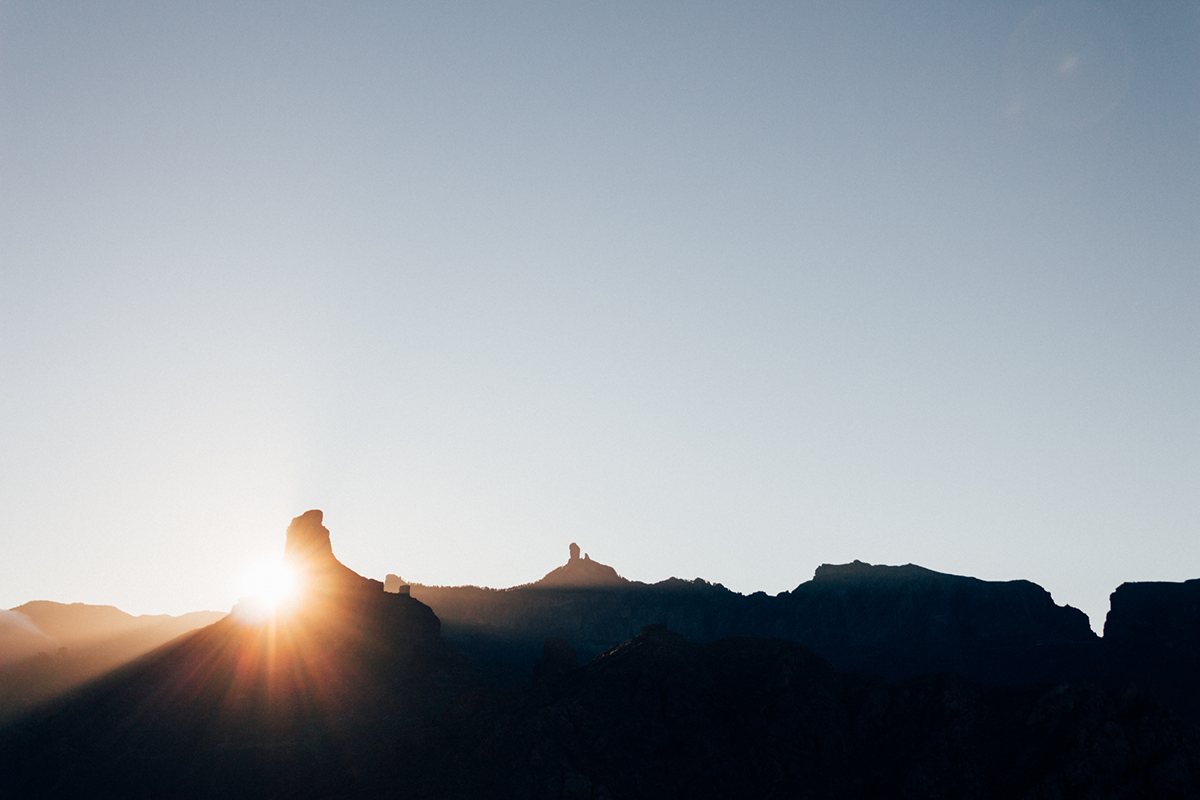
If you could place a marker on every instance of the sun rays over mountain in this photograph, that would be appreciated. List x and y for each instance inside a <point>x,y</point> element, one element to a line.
<point>268,587</point>
<point>356,691</point>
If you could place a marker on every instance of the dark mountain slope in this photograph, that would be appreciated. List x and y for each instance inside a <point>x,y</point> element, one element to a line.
<point>299,704</point>
<point>748,718</point>
<point>892,621</point>
<point>895,622</point>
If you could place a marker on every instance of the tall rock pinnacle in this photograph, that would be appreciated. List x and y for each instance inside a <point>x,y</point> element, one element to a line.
<point>308,551</point>
<point>307,541</point>
<point>581,573</point>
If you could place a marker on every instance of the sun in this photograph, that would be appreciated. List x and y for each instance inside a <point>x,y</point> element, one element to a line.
<point>269,585</point>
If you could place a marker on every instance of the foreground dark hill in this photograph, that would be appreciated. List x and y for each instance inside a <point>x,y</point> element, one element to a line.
<point>352,693</point>
<point>62,645</point>
<point>750,718</point>
<point>249,706</point>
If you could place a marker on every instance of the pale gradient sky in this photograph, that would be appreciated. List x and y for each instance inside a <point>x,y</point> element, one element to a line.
<point>718,290</point>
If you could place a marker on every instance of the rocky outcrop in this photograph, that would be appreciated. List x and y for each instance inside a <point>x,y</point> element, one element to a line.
<point>580,573</point>
<point>309,553</point>
<point>336,602</point>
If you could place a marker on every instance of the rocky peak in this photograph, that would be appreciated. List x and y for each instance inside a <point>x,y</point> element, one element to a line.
<point>581,573</point>
<point>308,541</point>
<point>336,605</point>
<point>308,551</point>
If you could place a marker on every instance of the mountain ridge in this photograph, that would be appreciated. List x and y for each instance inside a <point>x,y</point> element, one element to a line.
<point>897,622</point>
<point>354,692</point>
<point>77,643</point>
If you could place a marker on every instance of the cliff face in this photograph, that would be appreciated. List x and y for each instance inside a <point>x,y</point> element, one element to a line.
<point>308,552</point>
<point>1155,616</point>
<point>1152,637</point>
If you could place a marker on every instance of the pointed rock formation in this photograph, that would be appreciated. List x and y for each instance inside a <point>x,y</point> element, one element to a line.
<point>305,702</point>
<point>581,573</point>
<point>335,602</point>
<point>310,554</point>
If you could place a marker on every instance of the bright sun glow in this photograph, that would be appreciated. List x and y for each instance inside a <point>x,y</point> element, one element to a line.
<point>269,583</point>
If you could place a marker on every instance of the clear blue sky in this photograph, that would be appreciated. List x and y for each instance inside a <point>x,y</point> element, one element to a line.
<point>718,290</point>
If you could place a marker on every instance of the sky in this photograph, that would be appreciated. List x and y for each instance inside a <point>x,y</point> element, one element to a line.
<point>715,290</point>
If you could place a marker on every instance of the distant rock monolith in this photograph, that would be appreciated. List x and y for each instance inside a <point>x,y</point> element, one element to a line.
<point>308,551</point>
<point>581,573</point>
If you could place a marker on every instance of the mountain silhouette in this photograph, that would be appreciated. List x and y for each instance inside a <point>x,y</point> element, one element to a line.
<point>79,626</point>
<point>896,622</point>
<point>353,692</point>
<point>892,621</point>
<point>248,707</point>
<point>580,573</point>
<point>63,645</point>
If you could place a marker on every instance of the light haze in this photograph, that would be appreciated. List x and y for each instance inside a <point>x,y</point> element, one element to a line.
<point>717,290</point>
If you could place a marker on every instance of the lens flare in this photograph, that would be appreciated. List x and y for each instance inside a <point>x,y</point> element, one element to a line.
<point>267,588</point>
